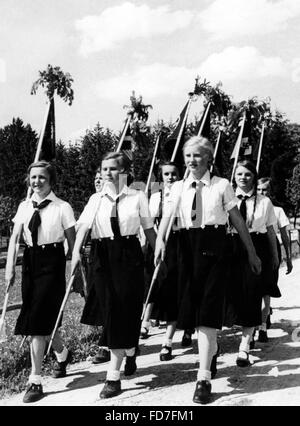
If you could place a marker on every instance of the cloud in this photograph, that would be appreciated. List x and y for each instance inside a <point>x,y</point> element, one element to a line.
<point>2,71</point>
<point>231,18</point>
<point>242,63</point>
<point>153,80</point>
<point>128,22</point>
<point>296,70</point>
<point>150,80</point>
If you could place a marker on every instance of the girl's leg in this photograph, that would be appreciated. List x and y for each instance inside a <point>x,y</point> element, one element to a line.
<point>207,348</point>
<point>37,351</point>
<point>166,351</point>
<point>146,321</point>
<point>243,356</point>
<point>112,385</point>
<point>63,356</point>
<point>34,390</point>
<point>262,334</point>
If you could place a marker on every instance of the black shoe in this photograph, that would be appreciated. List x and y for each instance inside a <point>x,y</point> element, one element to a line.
<point>33,393</point>
<point>187,338</point>
<point>213,365</point>
<point>59,369</point>
<point>262,336</point>
<point>144,334</point>
<point>110,389</point>
<point>103,355</point>
<point>202,392</point>
<point>167,356</point>
<point>243,362</point>
<point>130,365</point>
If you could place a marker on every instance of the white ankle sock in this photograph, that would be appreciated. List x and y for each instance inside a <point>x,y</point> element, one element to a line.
<point>130,352</point>
<point>146,324</point>
<point>168,342</point>
<point>113,375</point>
<point>35,378</point>
<point>62,356</point>
<point>263,326</point>
<point>203,375</point>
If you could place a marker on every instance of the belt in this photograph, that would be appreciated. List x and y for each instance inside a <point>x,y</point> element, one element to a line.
<point>45,246</point>
<point>122,237</point>
<point>209,227</point>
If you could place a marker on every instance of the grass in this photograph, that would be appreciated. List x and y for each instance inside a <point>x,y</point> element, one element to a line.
<point>15,362</point>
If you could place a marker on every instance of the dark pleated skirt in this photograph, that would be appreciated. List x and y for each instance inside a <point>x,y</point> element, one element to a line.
<point>201,277</point>
<point>118,274</point>
<point>273,289</point>
<point>244,289</point>
<point>165,291</point>
<point>43,289</point>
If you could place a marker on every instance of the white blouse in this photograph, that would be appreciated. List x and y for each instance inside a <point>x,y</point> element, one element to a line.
<point>154,204</point>
<point>264,214</point>
<point>281,219</point>
<point>217,198</point>
<point>56,217</point>
<point>133,212</point>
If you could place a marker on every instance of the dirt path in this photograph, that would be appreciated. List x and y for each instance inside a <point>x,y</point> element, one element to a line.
<point>273,379</point>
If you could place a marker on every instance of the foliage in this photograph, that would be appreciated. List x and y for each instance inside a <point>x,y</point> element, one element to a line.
<point>8,207</point>
<point>55,81</point>
<point>293,189</point>
<point>17,148</point>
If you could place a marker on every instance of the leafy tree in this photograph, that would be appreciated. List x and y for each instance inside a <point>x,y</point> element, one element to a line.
<point>55,81</point>
<point>17,148</point>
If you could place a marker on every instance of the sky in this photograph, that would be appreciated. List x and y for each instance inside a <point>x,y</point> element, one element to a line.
<point>156,48</point>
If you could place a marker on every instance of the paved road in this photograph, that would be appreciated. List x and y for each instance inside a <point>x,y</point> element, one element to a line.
<point>273,379</point>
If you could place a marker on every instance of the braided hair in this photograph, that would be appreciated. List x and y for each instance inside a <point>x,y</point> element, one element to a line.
<point>251,167</point>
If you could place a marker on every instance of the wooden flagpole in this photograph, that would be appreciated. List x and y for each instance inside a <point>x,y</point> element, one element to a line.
<point>216,151</point>
<point>124,134</point>
<point>239,142</point>
<point>260,147</point>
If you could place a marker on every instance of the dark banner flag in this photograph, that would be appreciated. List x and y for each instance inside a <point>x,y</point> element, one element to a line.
<point>172,138</point>
<point>47,152</point>
<point>206,126</point>
<point>128,144</point>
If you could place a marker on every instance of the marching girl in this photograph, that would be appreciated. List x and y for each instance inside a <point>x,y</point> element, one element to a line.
<point>247,289</point>
<point>164,295</point>
<point>117,263</point>
<point>203,203</point>
<point>46,221</point>
<point>281,227</point>
<point>92,313</point>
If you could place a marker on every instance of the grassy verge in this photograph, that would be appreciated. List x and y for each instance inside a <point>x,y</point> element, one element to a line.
<point>15,362</point>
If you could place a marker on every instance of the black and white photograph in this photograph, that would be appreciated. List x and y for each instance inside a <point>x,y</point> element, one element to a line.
<point>149,206</point>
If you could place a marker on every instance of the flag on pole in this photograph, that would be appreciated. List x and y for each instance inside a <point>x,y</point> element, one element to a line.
<point>218,157</point>
<point>47,151</point>
<point>242,144</point>
<point>128,144</point>
<point>206,125</point>
<point>171,140</point>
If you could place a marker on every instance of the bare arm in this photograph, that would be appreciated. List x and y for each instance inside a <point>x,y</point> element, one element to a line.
<point>11,254</point>
<point>286,244</point>
<point>273,246</point>
<point>240,226</point>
